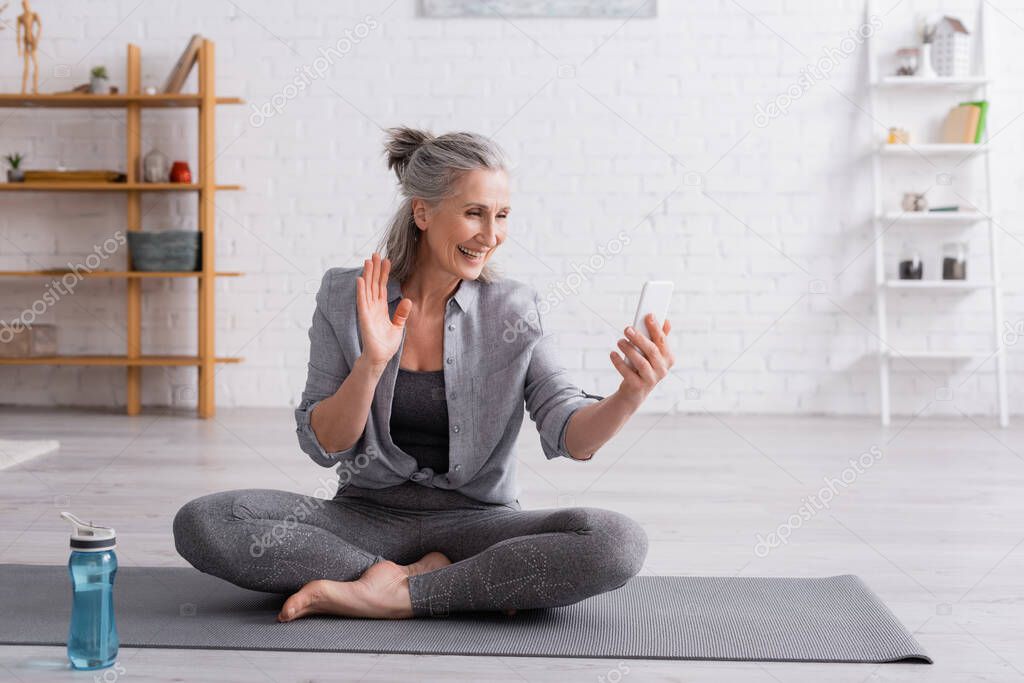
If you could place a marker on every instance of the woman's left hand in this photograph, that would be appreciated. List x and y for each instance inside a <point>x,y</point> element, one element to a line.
<point>650,366</point>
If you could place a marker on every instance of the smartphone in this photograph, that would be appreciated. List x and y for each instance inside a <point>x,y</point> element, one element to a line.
<point>654,298</point>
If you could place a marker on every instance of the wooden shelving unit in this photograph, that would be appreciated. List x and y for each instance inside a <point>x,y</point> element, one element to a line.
<point>133,101</point>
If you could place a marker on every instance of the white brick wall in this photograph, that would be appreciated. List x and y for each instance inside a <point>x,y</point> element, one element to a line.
<point>647,108</point>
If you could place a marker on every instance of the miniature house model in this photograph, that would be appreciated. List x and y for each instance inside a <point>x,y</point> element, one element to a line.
<point>951,48</point>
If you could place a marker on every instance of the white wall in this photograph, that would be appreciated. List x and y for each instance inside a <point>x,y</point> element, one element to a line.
<point>645,130</point>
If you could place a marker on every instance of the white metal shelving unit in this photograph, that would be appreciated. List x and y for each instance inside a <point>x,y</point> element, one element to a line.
<point>977,87</point>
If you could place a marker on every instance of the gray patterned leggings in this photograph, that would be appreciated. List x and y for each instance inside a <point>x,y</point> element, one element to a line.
<point>502,557</point>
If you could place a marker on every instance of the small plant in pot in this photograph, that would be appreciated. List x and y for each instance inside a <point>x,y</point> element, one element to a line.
<point>99,84</point>
<point>14,173</point>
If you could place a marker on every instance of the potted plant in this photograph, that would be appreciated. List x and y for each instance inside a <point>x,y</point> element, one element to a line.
<point>14,173</point>
<point>99,84</point>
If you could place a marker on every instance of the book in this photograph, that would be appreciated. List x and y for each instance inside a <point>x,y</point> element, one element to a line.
<point>983,106</point>
<point>183,66</point>
<point>961,124</point>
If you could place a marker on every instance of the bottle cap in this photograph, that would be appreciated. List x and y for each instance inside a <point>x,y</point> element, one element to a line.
<point>89,537</point>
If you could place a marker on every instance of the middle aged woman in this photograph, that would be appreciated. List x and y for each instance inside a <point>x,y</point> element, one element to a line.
<point>420,366</point>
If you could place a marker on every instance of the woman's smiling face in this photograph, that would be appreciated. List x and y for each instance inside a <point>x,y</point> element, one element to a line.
<point>461,233</point>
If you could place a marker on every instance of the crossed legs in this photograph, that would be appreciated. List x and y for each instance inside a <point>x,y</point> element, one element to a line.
<point>357,558</point>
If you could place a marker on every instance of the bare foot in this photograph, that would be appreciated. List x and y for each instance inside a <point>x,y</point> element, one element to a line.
<point>382,592</point>
<point>427,563</point>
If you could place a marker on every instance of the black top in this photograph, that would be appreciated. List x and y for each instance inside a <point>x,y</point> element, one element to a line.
<point>419,417</point>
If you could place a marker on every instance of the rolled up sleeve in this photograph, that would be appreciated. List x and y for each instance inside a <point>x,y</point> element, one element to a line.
<point>326,370</point>
<point>551,396</point>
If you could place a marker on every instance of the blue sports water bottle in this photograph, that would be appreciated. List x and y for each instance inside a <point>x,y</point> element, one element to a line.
<point>92,638</point>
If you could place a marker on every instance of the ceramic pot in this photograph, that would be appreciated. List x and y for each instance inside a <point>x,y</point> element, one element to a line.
<point>99,86</point>
<point>180,172</point>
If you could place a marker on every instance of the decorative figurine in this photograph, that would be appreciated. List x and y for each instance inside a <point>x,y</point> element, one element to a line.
<point>155,167</point>
<point>951,48</point>
<point>30,28</point>
<point>914,201</point>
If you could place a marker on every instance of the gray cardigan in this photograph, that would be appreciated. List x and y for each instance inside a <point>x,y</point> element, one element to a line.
<point>497,358</point>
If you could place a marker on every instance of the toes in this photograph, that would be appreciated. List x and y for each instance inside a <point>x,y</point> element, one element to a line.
<point>303,603</point>
<point>290,609</point>
<point>293,608</point>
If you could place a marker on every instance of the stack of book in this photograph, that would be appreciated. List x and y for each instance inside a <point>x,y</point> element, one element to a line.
<point>965,123</point>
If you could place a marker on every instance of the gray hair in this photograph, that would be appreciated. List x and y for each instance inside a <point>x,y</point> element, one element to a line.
<point>427,168</point>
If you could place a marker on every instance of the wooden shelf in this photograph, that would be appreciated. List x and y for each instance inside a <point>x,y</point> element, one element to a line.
<point>113,273</point>
<point>118,361</point>
<point>67,186</point>
<point>948,217</point>
<point>89,101</point>
<point>133,102</point>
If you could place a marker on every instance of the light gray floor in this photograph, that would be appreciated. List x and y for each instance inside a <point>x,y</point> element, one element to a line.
<point>934,527</point>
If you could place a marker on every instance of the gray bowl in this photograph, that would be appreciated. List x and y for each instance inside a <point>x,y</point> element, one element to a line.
<point>165,250</point>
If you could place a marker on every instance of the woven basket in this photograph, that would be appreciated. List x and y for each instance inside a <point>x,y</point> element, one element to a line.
<point>165,250</point>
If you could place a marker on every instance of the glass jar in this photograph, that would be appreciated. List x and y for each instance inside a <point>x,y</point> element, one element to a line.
<point>911,267</point>
<point>954,261</point>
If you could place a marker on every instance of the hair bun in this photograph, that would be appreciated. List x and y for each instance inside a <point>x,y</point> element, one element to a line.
<point>401,144</point>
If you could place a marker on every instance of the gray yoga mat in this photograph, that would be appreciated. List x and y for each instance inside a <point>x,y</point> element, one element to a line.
<point>831,619</point>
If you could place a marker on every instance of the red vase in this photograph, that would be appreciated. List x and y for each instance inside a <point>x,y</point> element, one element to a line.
<point>180,172</point>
